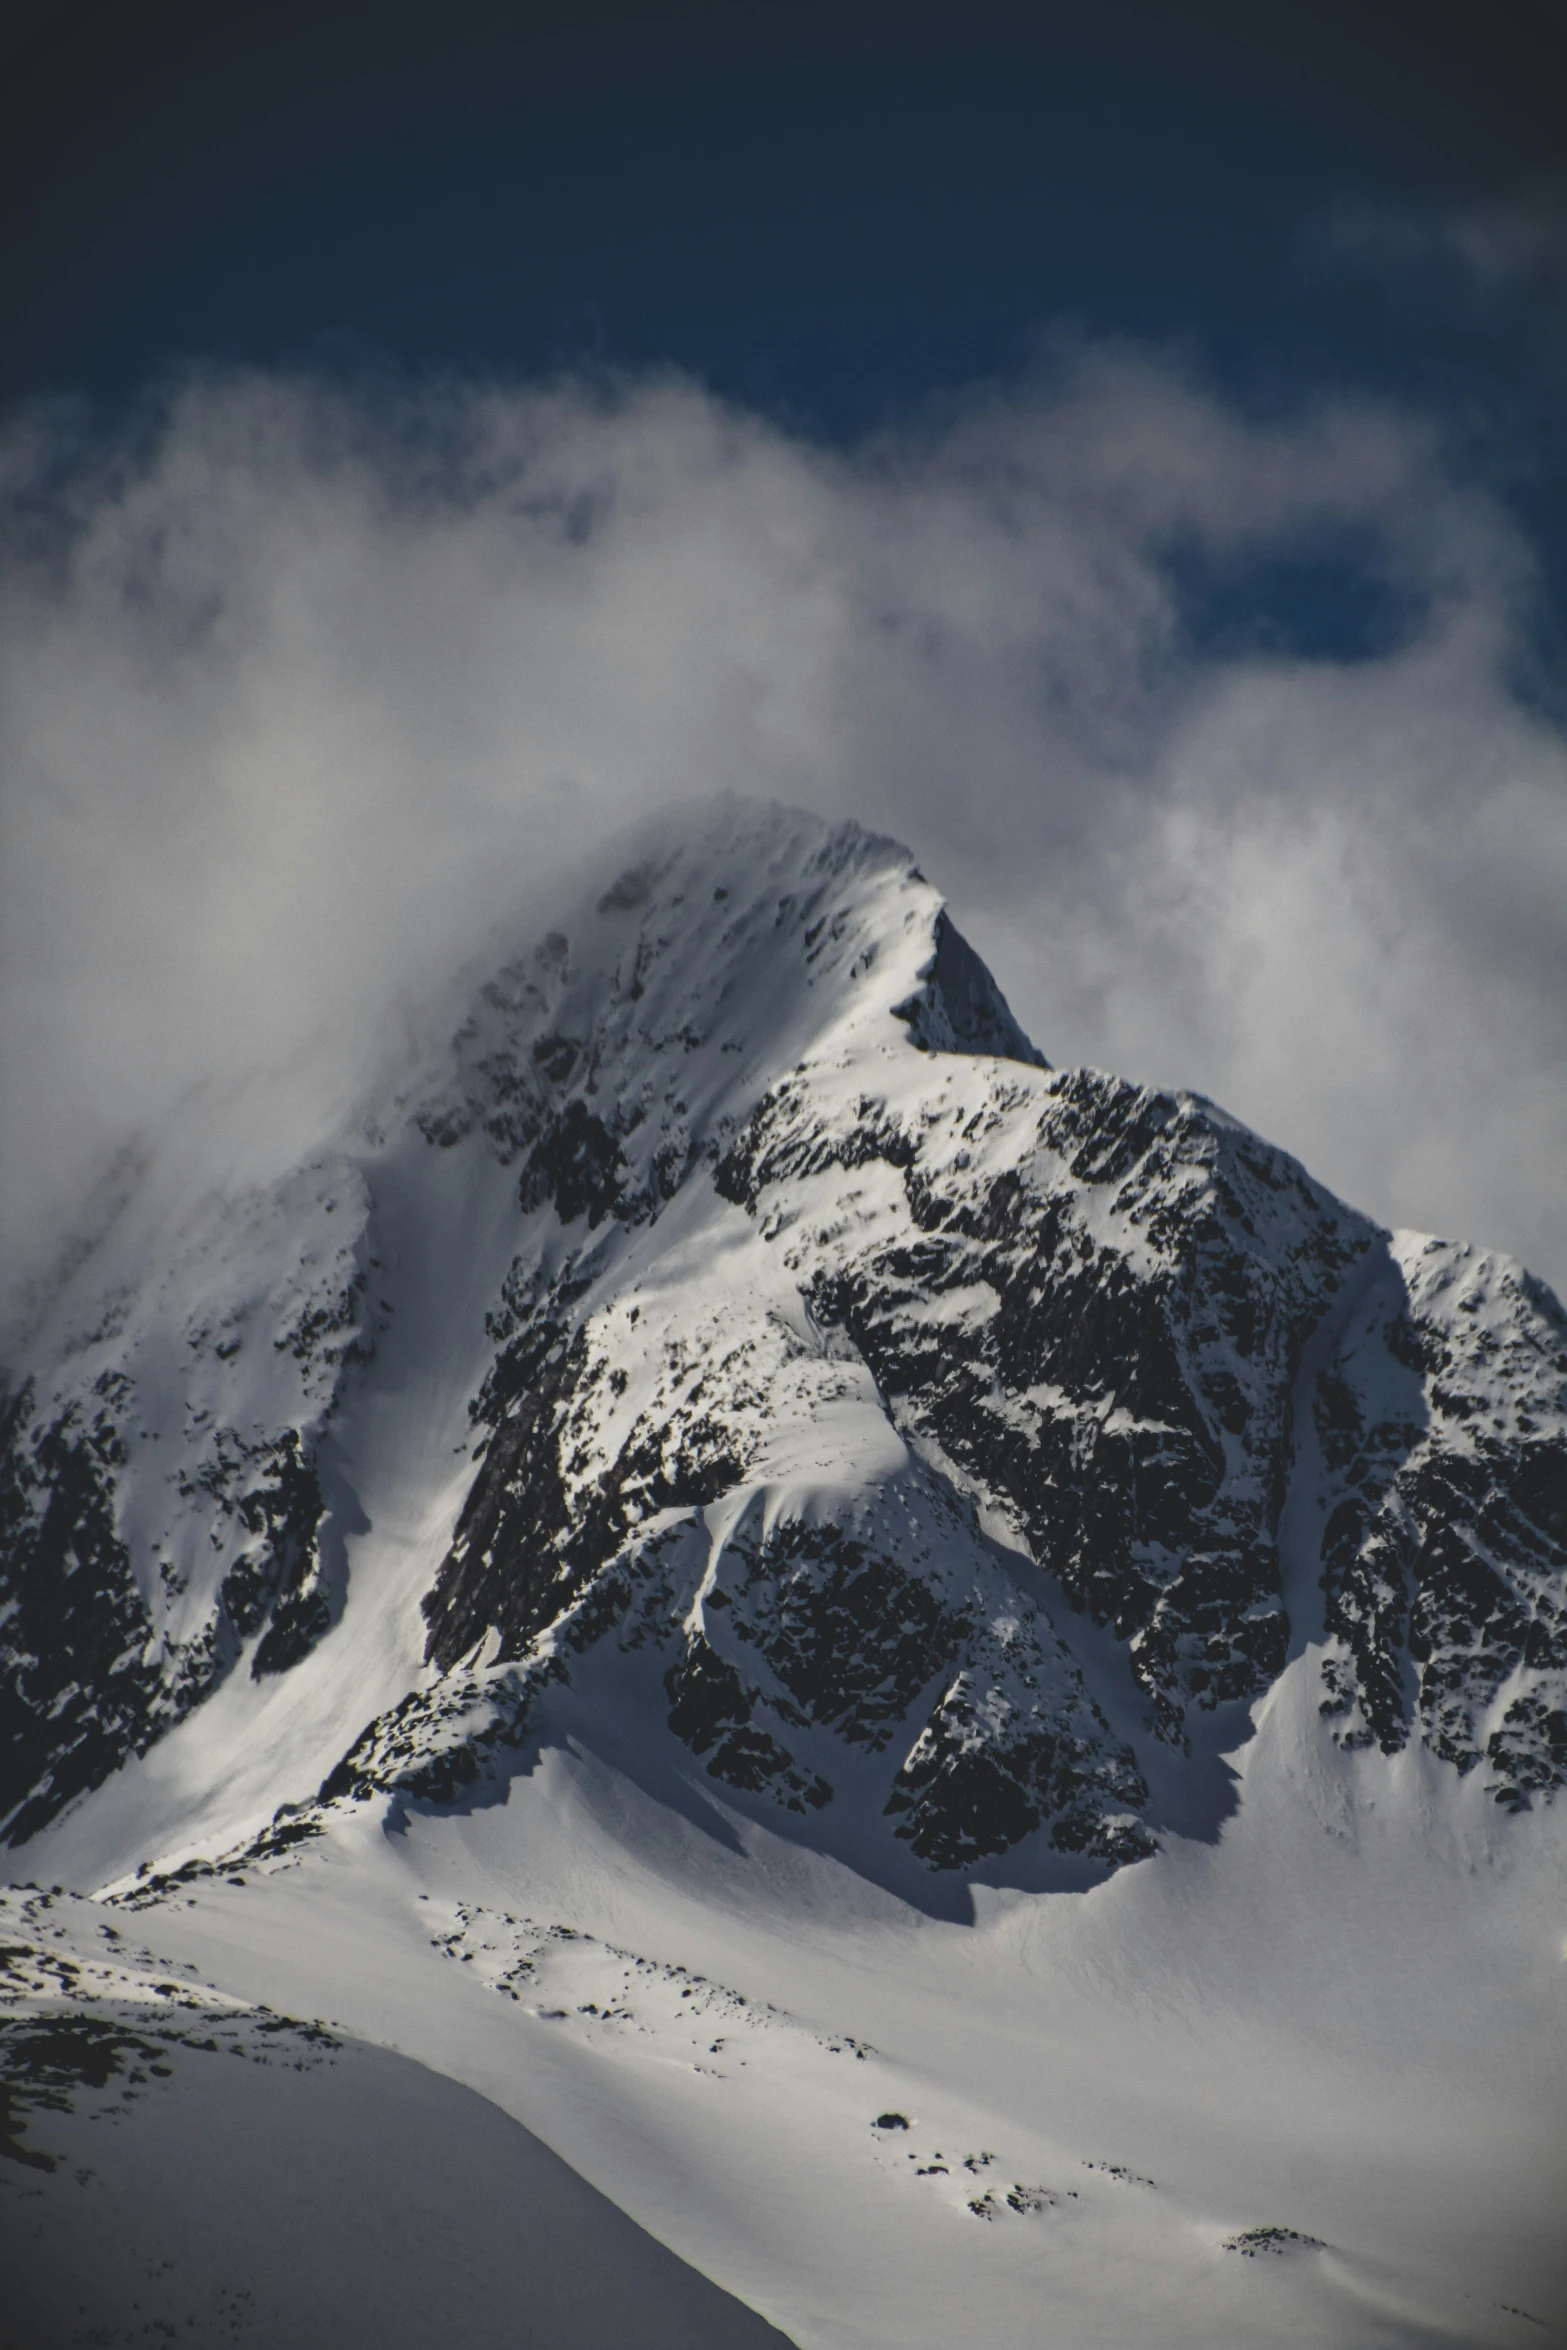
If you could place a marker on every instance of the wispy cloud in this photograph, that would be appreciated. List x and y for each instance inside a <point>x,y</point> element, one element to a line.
<point>303,692</point>
<point>1488,249</point>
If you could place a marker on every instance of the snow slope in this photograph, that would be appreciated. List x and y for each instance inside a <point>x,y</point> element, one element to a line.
<point>883,1644</point>
<point>324,2193</point>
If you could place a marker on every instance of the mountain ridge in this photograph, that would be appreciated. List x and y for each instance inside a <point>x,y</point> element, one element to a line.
<point>790,1301</point>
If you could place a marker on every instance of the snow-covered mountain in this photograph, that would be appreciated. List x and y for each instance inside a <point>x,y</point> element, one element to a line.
<point>744,1374</point>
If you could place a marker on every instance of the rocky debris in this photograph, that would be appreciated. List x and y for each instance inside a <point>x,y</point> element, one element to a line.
<point>1278,2241</point>
<point>1028,2200</point>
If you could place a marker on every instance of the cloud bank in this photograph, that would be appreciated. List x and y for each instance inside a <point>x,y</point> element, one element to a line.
<point>305,690</point>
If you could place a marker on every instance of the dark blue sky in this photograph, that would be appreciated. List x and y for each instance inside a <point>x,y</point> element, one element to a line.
<point>832,212</point>
<point>1326,889</point>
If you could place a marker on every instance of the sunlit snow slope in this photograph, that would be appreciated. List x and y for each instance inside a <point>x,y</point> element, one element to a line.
<point>944,1673</point>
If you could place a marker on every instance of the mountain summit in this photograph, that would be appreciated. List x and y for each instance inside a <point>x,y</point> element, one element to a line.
<point>735,1472</point>
<point>746,1333</point>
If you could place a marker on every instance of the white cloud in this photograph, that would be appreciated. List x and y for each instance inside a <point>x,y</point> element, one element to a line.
<point>302,694</point>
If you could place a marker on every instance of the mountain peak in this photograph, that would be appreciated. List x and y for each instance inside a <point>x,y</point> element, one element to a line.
<point>747,1295</point>
<point>734,941</point>
<point>741,1461</point>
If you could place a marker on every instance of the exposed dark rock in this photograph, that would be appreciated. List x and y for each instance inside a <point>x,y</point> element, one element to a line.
<point>438,1741</point>
<point>526,1545</point>
<point>1150,1475</point>
<point>281,1580</point>
<point>985,1772</point>
<point>710,1708</point>
<point>850,1636</point>
<point>783,1141</point>
<point>90,1681</point>
<point>1062,1308</point>
<point>80,1691</point>
<point>576,1163</point>
<point>1445,1553</point>
<point>1279,2241</point>
<point>299,1620</point>
<point>959,1007</point>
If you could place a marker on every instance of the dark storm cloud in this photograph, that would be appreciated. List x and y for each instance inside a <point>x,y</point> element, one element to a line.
<point>303,694</point>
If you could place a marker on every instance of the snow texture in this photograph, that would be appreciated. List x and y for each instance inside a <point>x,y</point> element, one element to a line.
<point>743,1376</point>
<point>324,2192</point>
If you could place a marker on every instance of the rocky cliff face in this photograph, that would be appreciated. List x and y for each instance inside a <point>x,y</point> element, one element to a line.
<point>848,1360</point>
<point>1445,1504</point>
<point>160,1500</point>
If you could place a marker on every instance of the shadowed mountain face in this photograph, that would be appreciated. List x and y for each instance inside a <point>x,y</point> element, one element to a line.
<point>919,1430</point>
